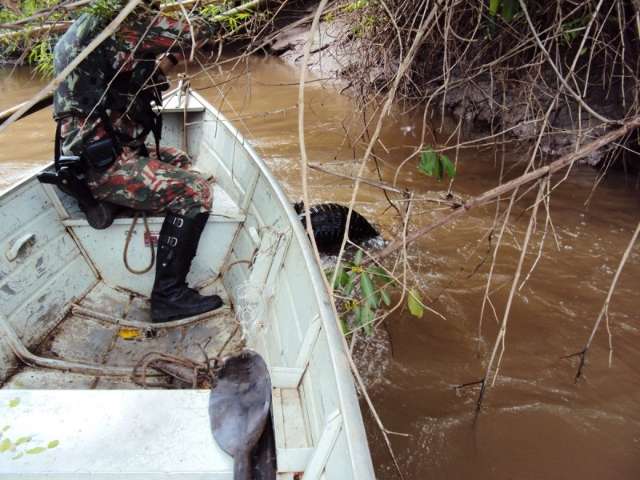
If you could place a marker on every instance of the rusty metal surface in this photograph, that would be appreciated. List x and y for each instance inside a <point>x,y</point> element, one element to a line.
<point>93,340</point>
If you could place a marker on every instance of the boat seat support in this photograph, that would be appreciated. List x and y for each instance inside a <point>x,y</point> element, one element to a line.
<point>322,452</point>
<point>290,377</point>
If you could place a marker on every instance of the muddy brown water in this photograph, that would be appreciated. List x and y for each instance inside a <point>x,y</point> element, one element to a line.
<point>536,422</point>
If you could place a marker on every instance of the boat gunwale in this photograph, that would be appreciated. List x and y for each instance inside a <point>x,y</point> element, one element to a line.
<point>350,408</point>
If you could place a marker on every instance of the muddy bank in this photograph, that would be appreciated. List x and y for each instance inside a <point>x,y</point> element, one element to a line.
<point>480,107</point>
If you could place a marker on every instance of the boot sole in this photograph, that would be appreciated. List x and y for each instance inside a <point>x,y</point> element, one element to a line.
<point>193,316</point>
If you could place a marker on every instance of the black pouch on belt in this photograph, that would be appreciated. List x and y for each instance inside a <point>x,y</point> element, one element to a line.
<point>100,154</point>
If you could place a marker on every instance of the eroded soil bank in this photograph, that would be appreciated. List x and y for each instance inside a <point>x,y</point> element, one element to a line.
<point>537,422</point>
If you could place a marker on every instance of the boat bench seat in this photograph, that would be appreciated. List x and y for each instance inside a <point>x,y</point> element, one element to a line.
<point>224,210</point>
<point>142,434</point>
<point>103,249</point>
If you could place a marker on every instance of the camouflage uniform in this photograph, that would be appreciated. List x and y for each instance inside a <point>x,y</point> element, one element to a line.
<point>134,180</point>
<point>142,182</point>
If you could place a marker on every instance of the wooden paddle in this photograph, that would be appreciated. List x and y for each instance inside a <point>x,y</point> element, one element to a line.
<point>239,407</point>
<point>36,107</point>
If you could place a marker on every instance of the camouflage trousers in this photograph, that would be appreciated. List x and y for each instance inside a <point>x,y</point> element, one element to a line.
<point>153,184</point>
<point>136,181</point>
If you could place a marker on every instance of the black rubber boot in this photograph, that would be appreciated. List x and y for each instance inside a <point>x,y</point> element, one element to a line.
<point>171,298</point>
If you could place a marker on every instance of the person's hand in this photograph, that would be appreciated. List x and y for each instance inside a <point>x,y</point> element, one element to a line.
<point>167,62</point>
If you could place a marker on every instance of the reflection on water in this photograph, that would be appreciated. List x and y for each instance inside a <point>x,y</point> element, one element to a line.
<point>536,423</point>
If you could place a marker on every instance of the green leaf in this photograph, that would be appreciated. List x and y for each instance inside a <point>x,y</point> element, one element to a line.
<point>5,428</point>
<point>22,440</point>
<point>385,297</point>
<point>366,319</point>
<point>438,170</point>
<point>368,290</point>
<point>53,444</point>
<point>343,279</point>
<point>357,260</point>
<point>35,451</point>
<point>19,455</point>
<point>14,403</point>
<point>348,285</point>
<point>357,315</point>
<point>493,7</point>
<point>428,162</point>
<point>344,325</point>
<point>447,166</point>
<point>436,165</point>
<point>338,281</point>
<point>415,304</point>
<point>508,9</point>
<point>381,272</point>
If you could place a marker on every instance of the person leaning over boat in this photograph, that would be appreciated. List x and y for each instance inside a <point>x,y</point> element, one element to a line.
<point>104,114</point>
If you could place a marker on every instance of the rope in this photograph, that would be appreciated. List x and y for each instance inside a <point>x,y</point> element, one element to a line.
<point>125,253</point>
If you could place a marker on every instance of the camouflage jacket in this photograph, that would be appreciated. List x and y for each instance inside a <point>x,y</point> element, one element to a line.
<point>85,92</point>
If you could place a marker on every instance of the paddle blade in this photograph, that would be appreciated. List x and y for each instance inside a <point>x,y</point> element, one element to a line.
<point>240,402</point>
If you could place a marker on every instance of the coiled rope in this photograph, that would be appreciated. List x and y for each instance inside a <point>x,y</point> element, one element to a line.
<point>125,253</point>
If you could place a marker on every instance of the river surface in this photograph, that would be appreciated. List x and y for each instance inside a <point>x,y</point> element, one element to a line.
<point>536,422</point>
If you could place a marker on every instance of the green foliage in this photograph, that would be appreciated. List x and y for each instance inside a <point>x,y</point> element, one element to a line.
<point>363,25</point>
<point>7,16</point>
<point>360,305</point>
<point>5,445</point>
<point>231,22</point>
<point>235,21</point>
<point>355,5</point>
<point>434,164</point>
<point>572,28</point>
<point>506,8</point>
<point>41,56</point>
<point>22,440</point>
<point>105,9</point>
<point>414,302</point>
<point>364,22</point>
<point>213,9</point>
<point>329,17</point>
<point>26,7</point>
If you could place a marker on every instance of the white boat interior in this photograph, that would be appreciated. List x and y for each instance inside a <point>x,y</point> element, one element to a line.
<point>74,321</point>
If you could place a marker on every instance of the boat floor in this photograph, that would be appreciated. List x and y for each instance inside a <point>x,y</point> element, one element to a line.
<point>112,327</point>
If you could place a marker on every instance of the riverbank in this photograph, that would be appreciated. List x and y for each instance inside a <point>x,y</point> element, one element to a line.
<point>497,99</point>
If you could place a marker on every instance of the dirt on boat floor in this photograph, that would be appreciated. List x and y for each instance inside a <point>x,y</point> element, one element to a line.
<point>107,327</point>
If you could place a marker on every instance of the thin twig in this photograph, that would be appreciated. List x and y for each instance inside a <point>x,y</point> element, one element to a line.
<point>500,338</point>
<point>604,312</point>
